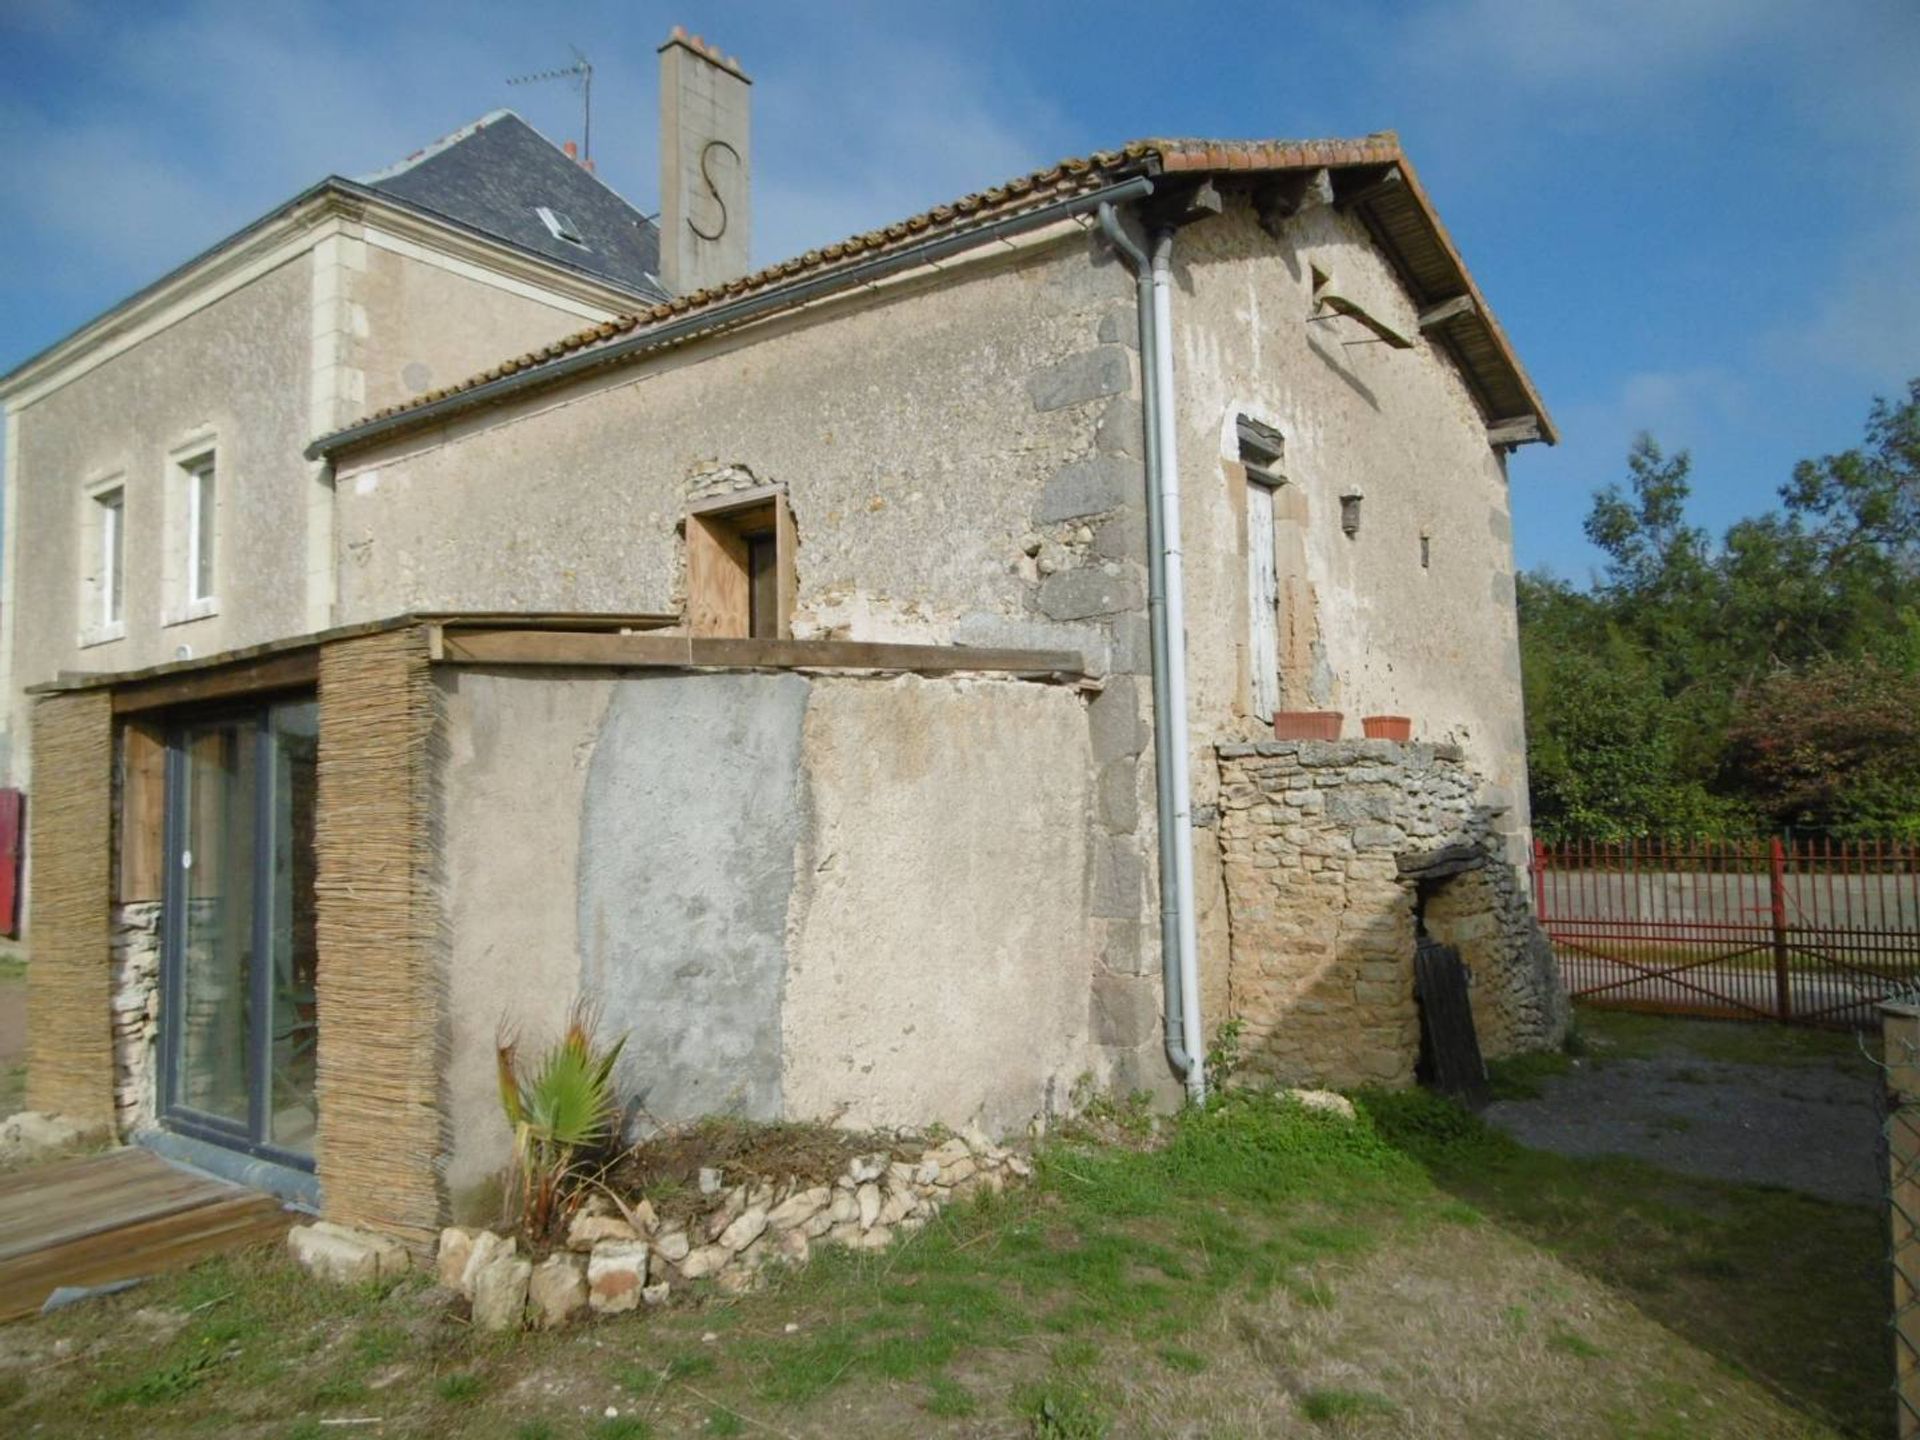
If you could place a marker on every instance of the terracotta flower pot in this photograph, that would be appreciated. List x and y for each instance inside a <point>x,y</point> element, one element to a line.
<point>1306,724</point>
<point>1387,727</point>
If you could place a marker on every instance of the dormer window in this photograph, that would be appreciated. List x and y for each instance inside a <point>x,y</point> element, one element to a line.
<point>559,225</point>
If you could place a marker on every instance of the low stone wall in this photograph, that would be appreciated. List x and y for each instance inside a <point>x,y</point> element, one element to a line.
<point>1335,853</point>
<point>135,979</point>
<point>617,1259</point>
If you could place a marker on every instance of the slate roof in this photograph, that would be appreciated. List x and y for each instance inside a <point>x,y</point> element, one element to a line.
<point>1400,217</point>
<point>494,174</point>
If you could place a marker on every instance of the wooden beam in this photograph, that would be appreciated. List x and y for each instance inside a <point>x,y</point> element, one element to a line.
<point>1186,205</point>
<point>142,818</point>
<point>293,670</point>
<point>1281,199</point>
<point>1447,310</point>
<point>1519,430</point>
<point>1388,182</point>
<point>1341,305</point>
<point>686,652</point>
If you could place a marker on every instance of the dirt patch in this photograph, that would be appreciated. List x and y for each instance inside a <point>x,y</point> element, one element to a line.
<point>1810,1126</point>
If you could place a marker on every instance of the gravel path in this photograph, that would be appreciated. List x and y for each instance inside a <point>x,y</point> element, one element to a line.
<point>1808,1127</point>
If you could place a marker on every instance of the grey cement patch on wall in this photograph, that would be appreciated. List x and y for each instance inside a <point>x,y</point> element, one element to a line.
<point>692,811</point>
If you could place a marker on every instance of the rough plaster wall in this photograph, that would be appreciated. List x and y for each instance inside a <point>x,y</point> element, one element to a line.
<point>691,823</point>
<point>1439,644</point>
<point>517,760</point>
<point>963,466</point>
<point>426,326</point>
<point>941,958</point>
<point>857,898</point>
<point>901,425</point>
<point>236,370</point>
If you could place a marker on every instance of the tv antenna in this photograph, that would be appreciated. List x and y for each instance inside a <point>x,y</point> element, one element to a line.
<point>580,74</point>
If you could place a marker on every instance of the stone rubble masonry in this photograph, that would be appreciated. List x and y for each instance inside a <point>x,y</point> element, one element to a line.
<point>1087,567</point>
<point>345,1256</point>
<point>1313,837</point>
<point>135,970</point>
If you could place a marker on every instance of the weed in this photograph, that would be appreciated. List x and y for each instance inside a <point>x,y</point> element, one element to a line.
<point>1223,1056</point>
<point>1056,1412</point>
<point>536,1430</point>
<point>1570,1342</point>
<point>1320,1406</point>
<point>948,1398</point>
<point>459,1387</point>
<point>169,1382</point>
<point>721,1421</point>
<point>621,1427</point>
<point>1187,1362</point>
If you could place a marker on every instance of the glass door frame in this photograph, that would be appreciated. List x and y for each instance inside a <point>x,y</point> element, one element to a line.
<point>255,718</point>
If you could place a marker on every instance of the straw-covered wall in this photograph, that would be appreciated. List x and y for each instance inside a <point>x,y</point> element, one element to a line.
<point>381,1056</point>
<point>70,820</point>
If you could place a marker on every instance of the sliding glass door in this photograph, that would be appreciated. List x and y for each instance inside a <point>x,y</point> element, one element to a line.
<point>238,1022</point>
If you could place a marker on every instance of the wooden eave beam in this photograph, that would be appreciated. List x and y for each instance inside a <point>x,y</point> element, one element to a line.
<point>1285,196</point>
<point>689,652</point>
<point>1376,187</point>
<point>1516,430</point>
<point>1448,310</point>
<point>1184,206</point>
<point>294,670</point>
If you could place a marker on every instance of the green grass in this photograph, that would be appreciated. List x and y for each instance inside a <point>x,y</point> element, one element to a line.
<point>1632,1035</point>
<point>1325,1405</point>
<point>1032,1310</point>
<point>459,1387</point>
<point>1778,1285</point>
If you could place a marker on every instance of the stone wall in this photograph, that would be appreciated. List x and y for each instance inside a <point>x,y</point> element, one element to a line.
<point>1335,853</point>
<point>136,1014</point>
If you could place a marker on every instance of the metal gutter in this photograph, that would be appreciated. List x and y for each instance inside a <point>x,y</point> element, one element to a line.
<point>733,312</point>
<point>1166,631</point>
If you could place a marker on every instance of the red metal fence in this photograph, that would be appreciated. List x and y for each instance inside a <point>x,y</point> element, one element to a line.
<point>1813,932</point>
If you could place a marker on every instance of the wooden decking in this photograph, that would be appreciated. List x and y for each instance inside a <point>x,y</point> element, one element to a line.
<point>117,1216</point>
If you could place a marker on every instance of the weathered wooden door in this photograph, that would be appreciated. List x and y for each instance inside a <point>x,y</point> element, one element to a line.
<point>1263,602</point>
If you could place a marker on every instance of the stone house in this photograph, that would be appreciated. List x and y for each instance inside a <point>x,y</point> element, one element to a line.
<point>857,677</point>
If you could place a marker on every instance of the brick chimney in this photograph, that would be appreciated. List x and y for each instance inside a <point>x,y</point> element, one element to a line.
<point>706,212</point>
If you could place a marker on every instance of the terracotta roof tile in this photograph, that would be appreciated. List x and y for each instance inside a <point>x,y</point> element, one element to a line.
<point>1072,176</point>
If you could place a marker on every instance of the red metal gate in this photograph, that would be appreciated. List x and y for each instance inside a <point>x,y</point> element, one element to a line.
<point>1816,932</point>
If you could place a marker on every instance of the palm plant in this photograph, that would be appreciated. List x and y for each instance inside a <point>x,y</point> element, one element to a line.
<point>562,1107</point>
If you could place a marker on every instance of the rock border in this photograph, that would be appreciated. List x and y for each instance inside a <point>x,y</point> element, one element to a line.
<point>618,1259</point>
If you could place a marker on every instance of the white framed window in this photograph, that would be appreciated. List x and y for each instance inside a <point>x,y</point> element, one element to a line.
<point>193,533</point>
<point>202,511</point>
<point>103,598</point>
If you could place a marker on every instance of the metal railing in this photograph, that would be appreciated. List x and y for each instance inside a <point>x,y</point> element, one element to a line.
<point>1816,931</point>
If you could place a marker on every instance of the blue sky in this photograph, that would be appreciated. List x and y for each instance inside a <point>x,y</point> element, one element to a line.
<point>1697,217</point>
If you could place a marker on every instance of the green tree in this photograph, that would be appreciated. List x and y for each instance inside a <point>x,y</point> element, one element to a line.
<point>1698,686</point>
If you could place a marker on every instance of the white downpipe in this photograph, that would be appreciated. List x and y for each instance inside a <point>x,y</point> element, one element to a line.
<point>1180,761</point>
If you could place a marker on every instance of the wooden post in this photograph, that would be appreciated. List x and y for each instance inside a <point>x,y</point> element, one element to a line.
<point>1782,978</point>
<point>1900,1031</point>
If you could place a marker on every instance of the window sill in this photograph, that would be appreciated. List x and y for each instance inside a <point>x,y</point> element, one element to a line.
<point>103,634</point>
<point>191,610</point>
